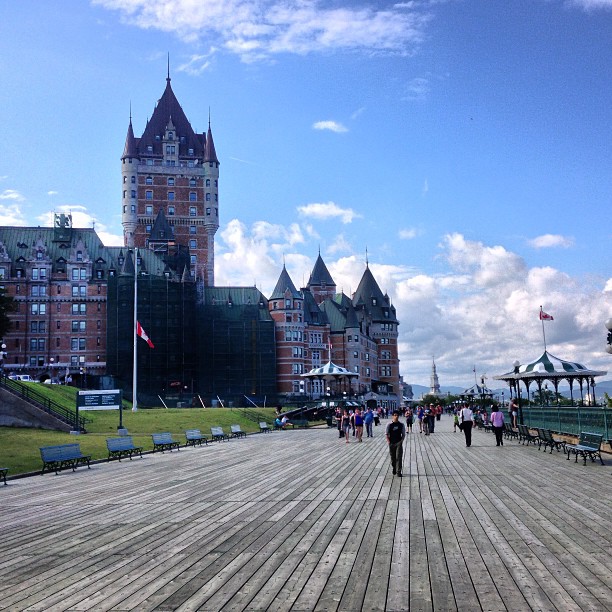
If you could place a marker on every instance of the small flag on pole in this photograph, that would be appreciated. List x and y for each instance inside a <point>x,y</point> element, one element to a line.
<point>545,316</point>
<point>143,334</point>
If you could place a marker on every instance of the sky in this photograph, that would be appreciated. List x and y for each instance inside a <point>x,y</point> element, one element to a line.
<point>461,148</point>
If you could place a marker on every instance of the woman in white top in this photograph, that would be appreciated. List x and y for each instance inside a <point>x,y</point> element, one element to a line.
<point>466,420</point>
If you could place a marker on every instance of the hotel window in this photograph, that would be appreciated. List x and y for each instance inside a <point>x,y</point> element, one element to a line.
<point>125,179</point>
<point>192,182</point>
<point>189,151</point>
<point>125,208</point>
<point>193,229</point>
<point>170,149</point>
<point>171,195</point>
<point>208,197</point>
<point>79,255</point>
<point>34,273</point>
<point>149,162</point>
<point>208,212</point>
<point>192,211</point>
<point>133,208</point>
<point>133,181</point>
<point>124,194</point>
<point>193,244</point>
<point>149,148</point>
<point>170,181</point>
<point>133,193</point>
<point>208,182</point>
<point>149,180</point>
<point>148,229</point>
<point>193,196</point>
<point>193,259</point>
<point>148,210</point>
<point>171,211</point>
<point>148,194</point>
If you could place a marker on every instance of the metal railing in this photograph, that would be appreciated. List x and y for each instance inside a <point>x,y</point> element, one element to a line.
<point>570,419</point>
<point>33,397</point>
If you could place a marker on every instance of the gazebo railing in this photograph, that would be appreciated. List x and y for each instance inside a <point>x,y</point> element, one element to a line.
<point>570,419</point>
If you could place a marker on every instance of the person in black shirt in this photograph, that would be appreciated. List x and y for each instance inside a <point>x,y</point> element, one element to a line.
<point>395,438</point>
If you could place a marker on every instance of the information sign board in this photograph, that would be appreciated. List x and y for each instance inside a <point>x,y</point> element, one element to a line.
<point>99,400</point>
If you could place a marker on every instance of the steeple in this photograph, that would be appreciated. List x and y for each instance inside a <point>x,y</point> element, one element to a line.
<point>210,155</point>
<point>434,383</point>
<point>130,149</point>
<point>283,285</point>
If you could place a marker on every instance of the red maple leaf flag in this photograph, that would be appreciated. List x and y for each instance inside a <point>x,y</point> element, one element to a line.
<point>143,334</point>
<point>545,316</point>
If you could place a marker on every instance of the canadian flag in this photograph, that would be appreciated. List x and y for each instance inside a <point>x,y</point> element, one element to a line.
<point>545,316</point>
<point>143,334</point>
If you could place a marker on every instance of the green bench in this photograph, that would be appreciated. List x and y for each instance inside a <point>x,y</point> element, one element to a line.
<point>589,445</point>
<point>63,455</point>
<point>163,441</point>
<point>218,434</point>
<point>236,432</point>
<point>3,472</point>
<point>194,437</point>
<point>546,439</point>
<point>509,432</point>
<point>122,447</point>
<point>525,435</point>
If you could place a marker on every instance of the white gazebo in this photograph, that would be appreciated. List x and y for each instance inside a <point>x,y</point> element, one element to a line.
<point>331,372</point>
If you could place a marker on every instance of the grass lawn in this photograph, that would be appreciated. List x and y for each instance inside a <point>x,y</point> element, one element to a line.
<point>19,446</point>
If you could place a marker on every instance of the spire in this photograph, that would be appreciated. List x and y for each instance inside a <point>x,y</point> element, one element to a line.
<point>130,149</point>
<point>210,155</point>
<point>283,284</point>
<point>320,274</point>
<point>168,77</point>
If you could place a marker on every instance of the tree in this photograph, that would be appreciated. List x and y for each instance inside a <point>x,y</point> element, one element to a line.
<point>7,304</point>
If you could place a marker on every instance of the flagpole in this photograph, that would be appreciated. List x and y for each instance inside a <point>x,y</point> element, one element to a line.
<point>134,368</point>
<point>543,332</point>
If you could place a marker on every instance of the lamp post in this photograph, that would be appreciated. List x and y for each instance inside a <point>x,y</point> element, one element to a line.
<point>328,395</point>
<point>518,391</point>
<point>83,372</point>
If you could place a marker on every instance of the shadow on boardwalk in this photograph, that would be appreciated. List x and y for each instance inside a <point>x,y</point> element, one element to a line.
<point>299,520</point>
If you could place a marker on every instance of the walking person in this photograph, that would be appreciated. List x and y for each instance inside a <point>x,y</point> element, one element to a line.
<point>409,419</point>
<point>455,419</point>
<point>396,432</point>
<point>420,414</point>
<point>358,425</point>
<point>514,411</point>
<point>497,422</point>
<point>466,418</point>
<point>368,419</point>
<point>339,423</point>
<point>346,424</point>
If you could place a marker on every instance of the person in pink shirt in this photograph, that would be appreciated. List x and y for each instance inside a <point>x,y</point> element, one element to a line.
<point>497,422</point>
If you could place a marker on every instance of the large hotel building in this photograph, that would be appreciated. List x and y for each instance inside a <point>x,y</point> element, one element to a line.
<point>74,296</point>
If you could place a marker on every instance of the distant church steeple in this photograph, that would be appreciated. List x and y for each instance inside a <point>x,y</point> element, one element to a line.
<point>434,383</point>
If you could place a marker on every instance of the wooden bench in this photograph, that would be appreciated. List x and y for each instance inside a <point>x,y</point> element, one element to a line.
<point>3,472</point>
<point>545,438</point>
<point>63,455</point>
<point>509,432</point>
<point>122,447</point>
<point>263,427</point>
<point>236,432</point>
<point>163,441</point>
<point>525,435</point>
<point>589,445</point>
<point>218,434</point>
<point>194,437</point>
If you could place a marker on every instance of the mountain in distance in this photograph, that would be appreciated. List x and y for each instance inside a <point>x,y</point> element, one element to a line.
<point>605,386</point>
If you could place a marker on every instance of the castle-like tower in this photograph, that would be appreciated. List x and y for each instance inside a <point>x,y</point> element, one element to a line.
<point>175,170</point>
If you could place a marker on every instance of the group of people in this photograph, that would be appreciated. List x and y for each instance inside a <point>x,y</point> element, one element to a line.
<point>353,421</point>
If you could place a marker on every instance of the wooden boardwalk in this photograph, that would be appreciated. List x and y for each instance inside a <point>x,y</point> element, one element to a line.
<point>299,520</point>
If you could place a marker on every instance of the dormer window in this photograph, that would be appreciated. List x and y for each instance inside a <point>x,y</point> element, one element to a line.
<point>170,135</point>
<point>373,301</point>
<point>149,148</point>
<point>39,255</point>
<point>79,255</point>
<point>189,151</point>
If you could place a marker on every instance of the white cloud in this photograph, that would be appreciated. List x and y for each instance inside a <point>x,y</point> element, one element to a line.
<point>591,5</point>
<point>358,112</point>
<point>258,29</point>
<point>51,193</point>
<point>417,89</point>
<point>425,189</point>
<point>332,126</point>
<point>328,210</point>
<point>12,195</point>
<point>82,218</point>
<point>408,233</point>
<point>11,214</point>
<point>340,245</point>
<point>481,309</point>
<point>198,64</point>
<point>551,240</point>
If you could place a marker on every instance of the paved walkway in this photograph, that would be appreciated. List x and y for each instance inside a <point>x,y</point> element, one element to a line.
<point>299,520</point>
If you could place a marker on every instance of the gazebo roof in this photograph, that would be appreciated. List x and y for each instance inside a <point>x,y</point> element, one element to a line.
<point>478,391</point>
<point>548,367</point>
<point>329,370</point>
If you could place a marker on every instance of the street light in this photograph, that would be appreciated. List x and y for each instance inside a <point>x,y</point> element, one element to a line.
<point>328,394</point>
<point>516,365</point>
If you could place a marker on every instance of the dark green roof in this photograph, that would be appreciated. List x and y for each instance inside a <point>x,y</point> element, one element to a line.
<point>320,275</point>
<point>370,298</point>
<point>236,303</point>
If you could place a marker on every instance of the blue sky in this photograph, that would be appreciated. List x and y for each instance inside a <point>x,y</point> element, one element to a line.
<point>464,144</point>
